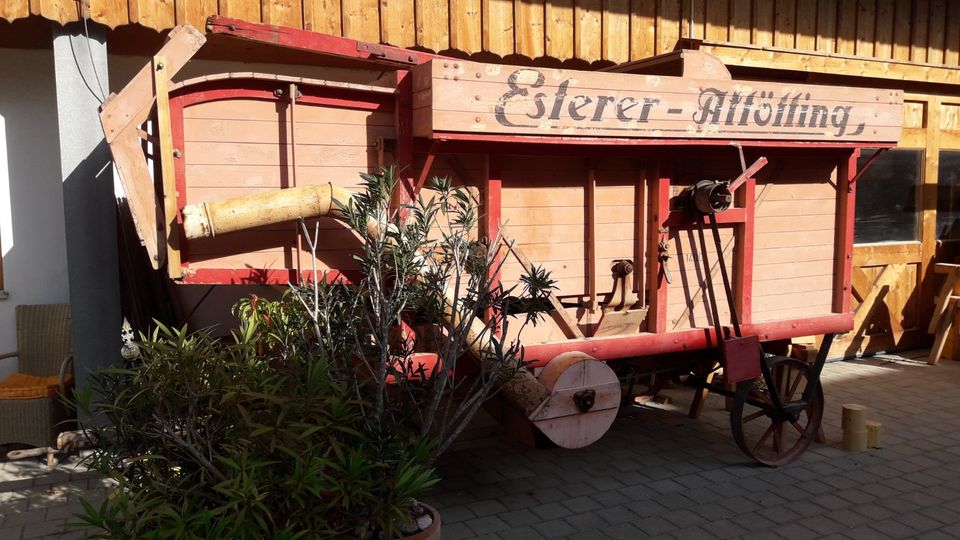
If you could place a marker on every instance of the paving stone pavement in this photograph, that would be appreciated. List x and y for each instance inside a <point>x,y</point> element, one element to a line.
<point>659,474</point>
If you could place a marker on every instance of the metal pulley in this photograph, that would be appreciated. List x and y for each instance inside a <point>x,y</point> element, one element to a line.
<point>711,196</point>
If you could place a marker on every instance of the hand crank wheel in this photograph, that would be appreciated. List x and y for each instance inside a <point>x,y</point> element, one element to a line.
<point>770,435</point>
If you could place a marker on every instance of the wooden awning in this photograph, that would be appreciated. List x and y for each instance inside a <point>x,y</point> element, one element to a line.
<point>893,42</point>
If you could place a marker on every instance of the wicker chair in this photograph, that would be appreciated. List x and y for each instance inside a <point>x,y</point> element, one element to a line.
<point>31,409</point>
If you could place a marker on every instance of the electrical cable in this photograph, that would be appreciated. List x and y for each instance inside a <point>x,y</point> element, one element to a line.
<point>96,75</point>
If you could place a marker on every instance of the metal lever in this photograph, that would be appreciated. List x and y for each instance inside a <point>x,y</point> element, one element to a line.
<point>663,255</point>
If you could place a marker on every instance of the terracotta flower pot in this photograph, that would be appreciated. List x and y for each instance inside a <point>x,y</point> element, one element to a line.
<point>433,531</point>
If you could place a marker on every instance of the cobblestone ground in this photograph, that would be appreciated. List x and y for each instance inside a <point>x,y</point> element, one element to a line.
<point>657,473</point>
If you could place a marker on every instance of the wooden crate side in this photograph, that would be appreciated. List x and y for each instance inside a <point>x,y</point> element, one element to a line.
<point>794,236</point>
<point>242,146</point>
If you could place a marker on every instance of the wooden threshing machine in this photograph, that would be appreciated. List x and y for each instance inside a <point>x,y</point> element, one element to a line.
<point>687,217</point>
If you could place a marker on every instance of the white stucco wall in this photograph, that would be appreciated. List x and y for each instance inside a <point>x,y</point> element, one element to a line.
<point>31,194</point>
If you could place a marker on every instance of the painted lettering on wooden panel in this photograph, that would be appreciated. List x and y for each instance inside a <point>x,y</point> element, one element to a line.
<point>487,98</point>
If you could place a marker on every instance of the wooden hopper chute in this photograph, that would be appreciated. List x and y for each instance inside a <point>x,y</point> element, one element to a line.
<point>122,116</point>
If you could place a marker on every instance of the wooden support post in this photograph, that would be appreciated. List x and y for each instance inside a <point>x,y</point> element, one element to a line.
<point>123,113</point>
<point>700,394</point>
<point>590,237</point>
<point>927,203</point>
<point>403,113</point>
<point>171,222</point>
<point>490,211</point>
<point>658,211</point>
<point>944,311</point>
<point>743,252</point>
<point>640,238</point>
<point>843,247</point>
<point>952,272</point>
<point>425,171</point>
<point>942,330</point>
<point>292,97</point>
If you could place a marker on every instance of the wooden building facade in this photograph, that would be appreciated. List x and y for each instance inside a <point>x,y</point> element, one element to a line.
<point>907,205</point>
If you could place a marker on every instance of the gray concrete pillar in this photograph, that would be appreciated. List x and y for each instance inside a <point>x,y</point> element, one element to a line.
<point>89,203</point>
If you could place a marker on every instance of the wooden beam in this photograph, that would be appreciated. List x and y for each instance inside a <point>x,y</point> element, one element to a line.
<point>743,252</point>
<point>490,220</point>
<point>640,234</point>
<point>658,211</point>
<point>121,115</point>
<point>943,299</point>
<point>927,202</point>
<point>884,281</point>
<point>824,62</point>
<point>168,178</point>
<point>843,246</point>
<point>590,234</point>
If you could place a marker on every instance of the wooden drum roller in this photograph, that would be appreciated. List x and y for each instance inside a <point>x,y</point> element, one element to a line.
<point>583,401</point>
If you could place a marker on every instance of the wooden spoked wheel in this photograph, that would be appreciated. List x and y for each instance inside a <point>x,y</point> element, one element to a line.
<point>773,435</point>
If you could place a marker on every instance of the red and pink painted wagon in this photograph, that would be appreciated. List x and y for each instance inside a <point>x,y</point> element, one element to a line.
<point>687,217</point>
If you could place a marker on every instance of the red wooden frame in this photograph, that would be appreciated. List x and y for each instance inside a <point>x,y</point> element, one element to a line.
<point>743,251</point>
<point>658,214</point>
<point>843,249</point>
<point>491,213</point>
<point>649,344</point>
<point>316,42</point>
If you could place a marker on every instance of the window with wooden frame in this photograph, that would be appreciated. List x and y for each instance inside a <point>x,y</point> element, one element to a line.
<point>948,195</point>
<point>887,209</point>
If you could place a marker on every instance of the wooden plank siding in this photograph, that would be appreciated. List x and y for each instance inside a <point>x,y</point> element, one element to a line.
<point>613,31</point>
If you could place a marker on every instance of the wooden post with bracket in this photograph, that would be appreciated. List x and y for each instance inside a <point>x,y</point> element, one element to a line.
<point>941,323</point>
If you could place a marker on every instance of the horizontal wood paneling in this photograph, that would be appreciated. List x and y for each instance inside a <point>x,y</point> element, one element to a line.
<point>793,273</point>
<point>918,31</point>
<point>238,147</point>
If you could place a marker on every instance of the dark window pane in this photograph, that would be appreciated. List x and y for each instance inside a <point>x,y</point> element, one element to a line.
<point>887,197</point>
<point>948,196</point>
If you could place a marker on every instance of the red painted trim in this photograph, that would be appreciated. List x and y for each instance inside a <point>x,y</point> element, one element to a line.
<point>751,171</point>
<point>261,276</point>
<point>263,89</point>
<point>490,221</point>
<point>649,344</point>
<point>843,249</point>
<point>425,171</point>
<point>618,141</point>
<point>870,160</point>
<point>658,214</point>
<point>316,42</point>
<point>180,173</point>
<point>743,254</point>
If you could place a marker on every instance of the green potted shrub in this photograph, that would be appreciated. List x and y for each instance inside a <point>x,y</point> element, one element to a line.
<point>321,416</point>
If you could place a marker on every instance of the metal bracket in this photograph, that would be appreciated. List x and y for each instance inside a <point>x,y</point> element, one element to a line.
<point>403,57</point>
